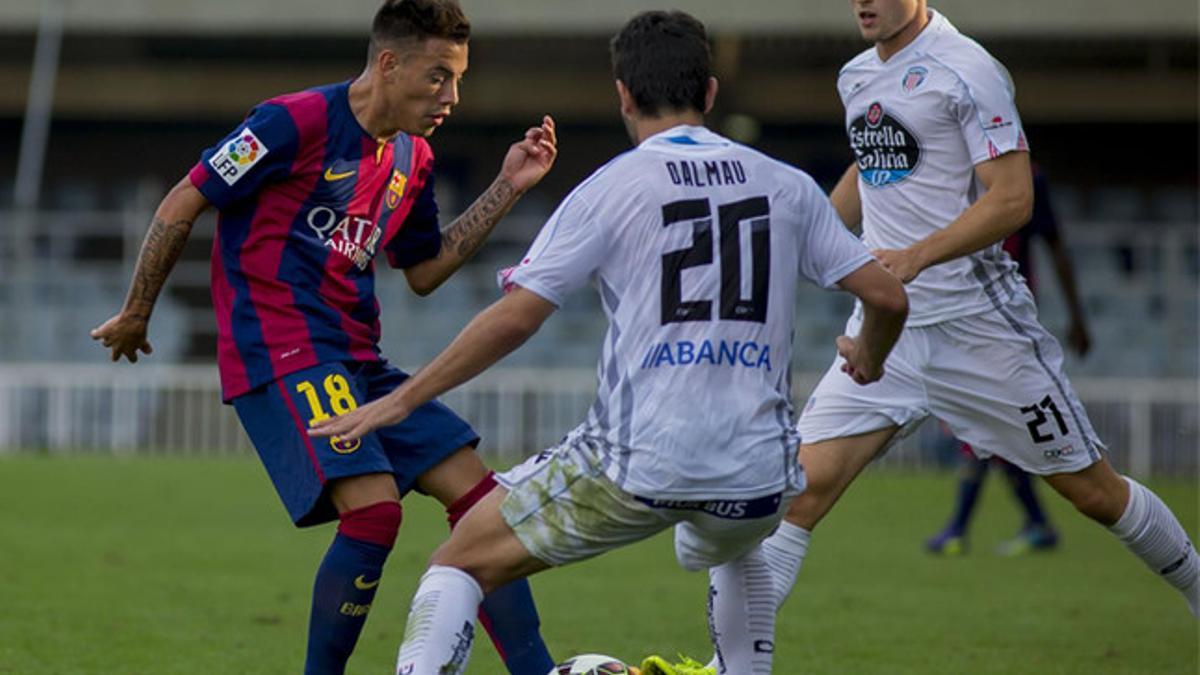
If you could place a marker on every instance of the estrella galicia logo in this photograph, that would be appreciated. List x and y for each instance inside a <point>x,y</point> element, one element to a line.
<point>885,150</point>
<point>914,78</point>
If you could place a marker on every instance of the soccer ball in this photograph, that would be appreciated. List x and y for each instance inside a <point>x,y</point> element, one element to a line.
<point>591,664</point>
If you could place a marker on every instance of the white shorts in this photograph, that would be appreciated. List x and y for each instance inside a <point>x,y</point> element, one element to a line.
<point>564,509</point>
<point>996,379</point>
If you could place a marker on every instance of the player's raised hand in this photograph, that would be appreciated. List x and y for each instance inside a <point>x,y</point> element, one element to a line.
<point>859,365</point>
<point>901,262</point>
<point>531,158</point>
<point>125,335</point>
<point>362,420</point>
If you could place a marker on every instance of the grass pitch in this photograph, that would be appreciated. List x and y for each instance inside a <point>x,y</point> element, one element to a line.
<point>163,566</point>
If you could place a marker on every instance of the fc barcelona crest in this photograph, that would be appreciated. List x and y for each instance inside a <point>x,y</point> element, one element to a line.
<point>914,78</point>
<point>395,191</point>
<point>344,447</point>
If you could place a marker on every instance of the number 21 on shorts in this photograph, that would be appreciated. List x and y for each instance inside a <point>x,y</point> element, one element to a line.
<point>1038,418</point>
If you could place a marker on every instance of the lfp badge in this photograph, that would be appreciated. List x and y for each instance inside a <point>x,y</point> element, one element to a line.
<point>234,159</point>
<point>396,189</point>
<point>245,149</point>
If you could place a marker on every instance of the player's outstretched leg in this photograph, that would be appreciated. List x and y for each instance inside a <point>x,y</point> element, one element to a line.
<point>1036,532</point>
<point>829,468</point>
<point>508,613</point>
<point>1140,520</point>
<point>349,575</point>
<point>481,554</point>
<point>952,539</point>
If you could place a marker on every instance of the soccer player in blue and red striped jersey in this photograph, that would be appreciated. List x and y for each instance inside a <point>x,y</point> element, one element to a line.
<point>309,187</point>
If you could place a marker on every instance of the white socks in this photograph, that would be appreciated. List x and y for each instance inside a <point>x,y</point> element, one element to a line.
<point>1151,531</point>
<point>784,551</point>
<point>741,615</point>
<point>441,624</point>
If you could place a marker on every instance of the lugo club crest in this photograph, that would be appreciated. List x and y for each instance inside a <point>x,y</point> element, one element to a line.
<point>885,150</point>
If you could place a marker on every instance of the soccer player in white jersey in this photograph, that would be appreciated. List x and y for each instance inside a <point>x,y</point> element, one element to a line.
<point>941,177</point>
<point>696,245</point>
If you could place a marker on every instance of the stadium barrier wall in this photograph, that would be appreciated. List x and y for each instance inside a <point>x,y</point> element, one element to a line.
<point>1152,426</point>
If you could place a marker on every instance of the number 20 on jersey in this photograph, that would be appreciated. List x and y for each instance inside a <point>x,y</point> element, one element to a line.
<point>754,212</point>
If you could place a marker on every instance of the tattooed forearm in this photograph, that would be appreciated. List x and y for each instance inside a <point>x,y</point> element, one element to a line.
<point>160,250</point>
<point>468,231</point>
<point>463,236</point>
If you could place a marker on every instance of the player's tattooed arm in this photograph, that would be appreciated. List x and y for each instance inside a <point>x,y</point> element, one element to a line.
<point>526,163</point>
<point>464,236</point>
<point>160,251</point>
<point>125,333</point>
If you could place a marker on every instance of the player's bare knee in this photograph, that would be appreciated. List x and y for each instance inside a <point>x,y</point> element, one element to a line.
<point>1101,505</point>
<point>807,509</point>
<point>356,492</point>
<point>449,554</point>
<point>454,476</point>
<point>1097,492</point>
<point>478,567</point>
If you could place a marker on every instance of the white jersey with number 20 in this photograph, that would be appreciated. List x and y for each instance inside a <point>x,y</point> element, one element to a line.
<point>695,244</point>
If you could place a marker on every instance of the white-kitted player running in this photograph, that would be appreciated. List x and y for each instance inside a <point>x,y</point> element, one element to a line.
<point>941,176</point>
<point>696,245</point>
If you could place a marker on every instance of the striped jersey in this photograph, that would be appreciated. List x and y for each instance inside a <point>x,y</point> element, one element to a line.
<point>696,245</point>
<point>918,124</point>
<point>306,198</point>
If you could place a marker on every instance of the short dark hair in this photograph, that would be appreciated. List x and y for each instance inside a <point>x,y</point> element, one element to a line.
<point>401,20</point>
<point>664,61</point>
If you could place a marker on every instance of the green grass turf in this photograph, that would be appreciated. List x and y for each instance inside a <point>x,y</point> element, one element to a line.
<point>160,566</point>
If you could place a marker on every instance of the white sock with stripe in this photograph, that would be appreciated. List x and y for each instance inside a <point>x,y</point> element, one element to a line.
<point>441,624</point>
<point>785,550</point>
<point>741,615</point>
<point>1151,531</point>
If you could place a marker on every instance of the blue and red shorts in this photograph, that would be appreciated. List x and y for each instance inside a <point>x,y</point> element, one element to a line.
<point>277,416</point>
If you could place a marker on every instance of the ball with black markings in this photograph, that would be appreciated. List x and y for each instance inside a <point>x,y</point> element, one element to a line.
<point>592,664</point>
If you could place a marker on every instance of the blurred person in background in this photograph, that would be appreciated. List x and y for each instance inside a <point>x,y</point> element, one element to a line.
<point>1036,533</point>
<point>696,245</point>
<point>308,189</point>
<point>941,177</point>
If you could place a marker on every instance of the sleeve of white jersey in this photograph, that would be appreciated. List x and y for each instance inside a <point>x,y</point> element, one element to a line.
<point>828,251</point>
<point>986,109</point>
<point>565,254</point>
